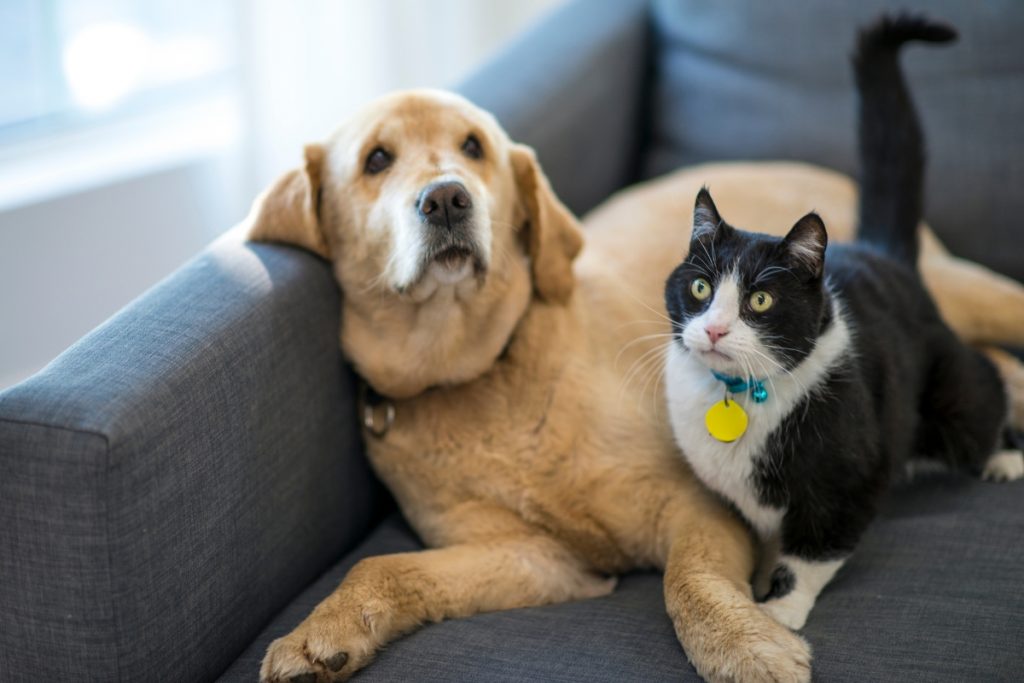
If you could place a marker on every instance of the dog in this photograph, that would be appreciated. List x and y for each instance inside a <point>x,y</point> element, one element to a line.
<point>510,419</point>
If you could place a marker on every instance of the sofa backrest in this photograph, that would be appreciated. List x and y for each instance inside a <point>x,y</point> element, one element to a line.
<point>748,79</point>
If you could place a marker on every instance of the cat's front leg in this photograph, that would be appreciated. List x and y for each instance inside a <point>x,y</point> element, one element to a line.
<point>795,584</point>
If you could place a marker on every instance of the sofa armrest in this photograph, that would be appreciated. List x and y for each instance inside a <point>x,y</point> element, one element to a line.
<point>171,481</point>
<point>575,88</point>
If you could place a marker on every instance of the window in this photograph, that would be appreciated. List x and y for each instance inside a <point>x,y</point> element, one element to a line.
<point>69,64</point>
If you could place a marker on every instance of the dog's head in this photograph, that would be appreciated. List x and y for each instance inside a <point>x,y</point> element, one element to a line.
<point>439,228</point>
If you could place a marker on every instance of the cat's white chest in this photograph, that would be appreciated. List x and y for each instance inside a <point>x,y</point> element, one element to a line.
<point>726,468</point>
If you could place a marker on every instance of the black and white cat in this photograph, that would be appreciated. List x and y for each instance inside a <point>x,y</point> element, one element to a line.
<point>800,380</point>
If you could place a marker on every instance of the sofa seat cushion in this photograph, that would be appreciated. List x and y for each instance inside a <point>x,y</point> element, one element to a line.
<point>932,594</point>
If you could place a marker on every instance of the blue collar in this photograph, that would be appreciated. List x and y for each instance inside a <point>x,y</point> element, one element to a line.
<point>737,385</point>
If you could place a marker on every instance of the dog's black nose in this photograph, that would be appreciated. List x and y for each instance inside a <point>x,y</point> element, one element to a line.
<point>444,204</point>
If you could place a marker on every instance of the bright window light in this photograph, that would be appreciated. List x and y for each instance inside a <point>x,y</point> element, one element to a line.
<point>71,64</point>
<point>104,62</point>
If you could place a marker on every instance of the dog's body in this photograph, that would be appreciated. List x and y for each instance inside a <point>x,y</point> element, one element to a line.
<point>529,448</point>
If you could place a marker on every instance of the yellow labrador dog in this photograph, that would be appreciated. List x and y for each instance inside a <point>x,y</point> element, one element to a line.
<point>513,434</point>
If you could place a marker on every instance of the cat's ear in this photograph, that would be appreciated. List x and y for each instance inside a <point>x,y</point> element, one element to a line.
<point>806,243</point>
<point>706,220</point>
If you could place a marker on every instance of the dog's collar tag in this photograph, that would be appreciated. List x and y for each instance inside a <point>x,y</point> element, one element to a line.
<point>726,420</point>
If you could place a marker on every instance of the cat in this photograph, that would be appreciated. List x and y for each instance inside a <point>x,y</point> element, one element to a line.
<point>800,379</point>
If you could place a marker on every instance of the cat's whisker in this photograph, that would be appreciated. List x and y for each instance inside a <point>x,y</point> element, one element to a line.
<point>650,364</point>
<point>641,363</point>
<point>656,372</point>
<point>643,303</point>
<point>639,340</point>
<point>768,375</point>
<point>640,322</point>
<point>778,366</point>
<point>712,264</point>
<point>769,271</point>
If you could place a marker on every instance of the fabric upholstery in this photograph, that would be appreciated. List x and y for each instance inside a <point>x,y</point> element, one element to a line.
<point>173,479</point>
<point>932,595</point>
<point>765,80</point>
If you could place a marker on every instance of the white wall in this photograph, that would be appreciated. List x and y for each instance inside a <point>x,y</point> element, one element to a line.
<point>70,260</point>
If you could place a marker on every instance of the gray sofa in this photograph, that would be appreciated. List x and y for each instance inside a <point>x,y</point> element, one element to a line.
<point>186,482</point>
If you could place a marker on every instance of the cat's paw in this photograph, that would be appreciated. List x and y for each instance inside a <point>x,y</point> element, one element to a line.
<point>790,610</point>
<point>1004,466</point>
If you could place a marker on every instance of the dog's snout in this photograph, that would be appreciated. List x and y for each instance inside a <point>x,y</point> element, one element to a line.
<point>444,204</point>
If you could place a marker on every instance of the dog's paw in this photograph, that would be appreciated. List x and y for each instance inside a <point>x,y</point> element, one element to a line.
<point>782,657</point>
<point>750,647</point>
<point>771,654</point>
<point>1004,466</point>
<point>327,647</point>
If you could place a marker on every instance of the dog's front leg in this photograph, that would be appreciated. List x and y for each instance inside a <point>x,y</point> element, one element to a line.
<point>384,596</point>
<point>709,558</point>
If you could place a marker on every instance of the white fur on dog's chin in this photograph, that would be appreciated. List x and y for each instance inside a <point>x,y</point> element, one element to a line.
<point>408,235</point>
<point>459,282</point>
<point>448,275</point>
<point>405,269</point>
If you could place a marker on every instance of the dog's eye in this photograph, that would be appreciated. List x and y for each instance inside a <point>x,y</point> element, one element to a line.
<point>377,161</point>
<point>472,148</point>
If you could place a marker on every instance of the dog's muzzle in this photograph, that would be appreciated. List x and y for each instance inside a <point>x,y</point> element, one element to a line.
<point>446,211</point>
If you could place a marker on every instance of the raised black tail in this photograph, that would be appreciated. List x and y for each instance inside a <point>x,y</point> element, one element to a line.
<point>892,153</point>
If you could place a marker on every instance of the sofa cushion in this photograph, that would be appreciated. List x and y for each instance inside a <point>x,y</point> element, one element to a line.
<point>764,80</point>
<point>933,594</point>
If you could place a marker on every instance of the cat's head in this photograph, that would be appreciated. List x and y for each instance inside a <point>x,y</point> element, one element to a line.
<point>748,304</point>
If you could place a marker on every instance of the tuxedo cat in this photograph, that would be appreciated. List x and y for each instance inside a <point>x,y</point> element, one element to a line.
<point>801,379</point>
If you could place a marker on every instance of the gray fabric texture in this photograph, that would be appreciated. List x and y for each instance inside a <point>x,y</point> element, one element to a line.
<point>573,87</point>
<point>764,80</point>
<point>623,637</point>
<point>932,595</point>
<point>176,477</point>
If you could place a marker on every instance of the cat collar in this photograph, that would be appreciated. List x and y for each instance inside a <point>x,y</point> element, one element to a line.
<point>737,385</point>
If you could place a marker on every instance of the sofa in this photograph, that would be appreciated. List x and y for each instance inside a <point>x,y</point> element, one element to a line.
<point>186,482</point>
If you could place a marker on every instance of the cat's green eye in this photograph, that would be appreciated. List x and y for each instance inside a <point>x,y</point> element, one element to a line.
<point>700,288</point>
<point>761,301</point>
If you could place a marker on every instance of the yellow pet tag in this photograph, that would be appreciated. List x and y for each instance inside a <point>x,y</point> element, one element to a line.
<point>726,420</point>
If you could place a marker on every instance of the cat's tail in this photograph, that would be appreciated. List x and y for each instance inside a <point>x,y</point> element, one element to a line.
<point>892,154</point>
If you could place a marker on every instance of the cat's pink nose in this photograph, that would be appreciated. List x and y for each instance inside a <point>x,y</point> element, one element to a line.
<point>716,332</point>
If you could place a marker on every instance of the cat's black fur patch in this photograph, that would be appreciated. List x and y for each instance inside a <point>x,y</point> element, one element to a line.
<point>906,386</point>
<point>781,583</point>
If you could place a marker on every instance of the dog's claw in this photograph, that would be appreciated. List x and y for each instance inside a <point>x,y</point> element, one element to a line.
<point>303,678</point>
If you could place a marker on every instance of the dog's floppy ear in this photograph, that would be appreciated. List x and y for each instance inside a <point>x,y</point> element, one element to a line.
<point>554,236</point>
<point>288,210</point>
